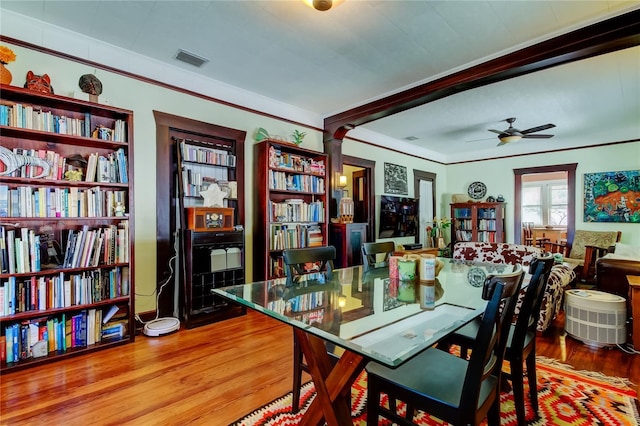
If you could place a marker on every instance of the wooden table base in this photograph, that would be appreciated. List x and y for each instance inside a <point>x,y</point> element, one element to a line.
<point>333,383</point>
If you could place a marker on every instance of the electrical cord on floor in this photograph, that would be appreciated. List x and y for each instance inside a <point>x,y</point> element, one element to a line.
<point>628,349</point>
<point>159,291</point>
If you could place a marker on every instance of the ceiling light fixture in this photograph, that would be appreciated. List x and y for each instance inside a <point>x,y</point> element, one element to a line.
<point>509,138</point>
<point>322,5</point>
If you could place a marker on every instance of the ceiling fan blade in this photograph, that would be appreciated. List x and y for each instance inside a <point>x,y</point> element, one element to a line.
<point>497,131</point>
<point>538,128</point>
<point>538,136</point>
<point>483,139</point>
<point>502,143</point>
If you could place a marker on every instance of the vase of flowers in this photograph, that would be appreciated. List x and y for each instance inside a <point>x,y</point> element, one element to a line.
<point>6,56</point>
<point>436,232</point>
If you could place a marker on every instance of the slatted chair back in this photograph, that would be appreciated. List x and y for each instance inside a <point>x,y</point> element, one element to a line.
<point>370,252</point>
<point>303,261</point>
<point>490,343</point>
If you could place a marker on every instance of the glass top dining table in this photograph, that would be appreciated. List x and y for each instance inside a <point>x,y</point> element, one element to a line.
<point>381,319</point>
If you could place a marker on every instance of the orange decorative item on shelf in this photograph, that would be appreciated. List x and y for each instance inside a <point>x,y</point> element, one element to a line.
<point>5,75</point>
<point>6,56</point>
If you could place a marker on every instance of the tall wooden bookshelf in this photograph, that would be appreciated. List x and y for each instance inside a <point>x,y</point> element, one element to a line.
<point>290,203</point>
<point>66,245</point>
<point>483,222</point>
<point>211,257</point>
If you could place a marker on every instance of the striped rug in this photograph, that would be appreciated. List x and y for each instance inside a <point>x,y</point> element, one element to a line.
<point>565,397</point>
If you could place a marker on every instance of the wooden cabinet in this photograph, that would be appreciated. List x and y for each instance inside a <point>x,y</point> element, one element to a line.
<point>290,204</point>
<point>66,238</point>
<point>212,239</point>
<point>348,238</point>
<point>483,222</point>
<point>212,260</point>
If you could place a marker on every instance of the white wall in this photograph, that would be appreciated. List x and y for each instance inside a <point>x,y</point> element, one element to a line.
<point>499,178</point>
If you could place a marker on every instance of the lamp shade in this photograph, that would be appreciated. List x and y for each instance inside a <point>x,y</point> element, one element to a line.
<point>510,138</point>
<point>342,181</point>
<point>322,5</point>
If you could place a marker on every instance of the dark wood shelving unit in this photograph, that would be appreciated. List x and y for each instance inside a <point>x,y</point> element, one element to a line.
<point>211,258</point>
<point>96,283</point>
<point>477,221</point>
<point>303,183</point>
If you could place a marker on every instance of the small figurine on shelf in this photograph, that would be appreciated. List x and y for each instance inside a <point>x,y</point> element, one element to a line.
<point>118,210</point>
<point>91,85</point>
<point>73,175</point>
<point>213,196</point>
<point>38,83</point>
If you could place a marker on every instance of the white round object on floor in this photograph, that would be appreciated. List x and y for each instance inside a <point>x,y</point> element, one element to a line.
<point>160,326</point>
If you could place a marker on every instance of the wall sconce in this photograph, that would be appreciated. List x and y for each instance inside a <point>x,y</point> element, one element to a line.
<point>342,181</point>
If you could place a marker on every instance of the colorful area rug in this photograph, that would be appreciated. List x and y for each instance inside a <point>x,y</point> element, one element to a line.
<point>565,397</point>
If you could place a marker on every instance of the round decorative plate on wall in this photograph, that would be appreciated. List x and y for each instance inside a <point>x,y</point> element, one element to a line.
<point>477,190</point>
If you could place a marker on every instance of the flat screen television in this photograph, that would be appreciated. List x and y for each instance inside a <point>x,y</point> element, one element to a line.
<point>398,216</point>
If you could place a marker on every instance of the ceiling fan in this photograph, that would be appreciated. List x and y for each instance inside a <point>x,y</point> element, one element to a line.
<point>513,135</point>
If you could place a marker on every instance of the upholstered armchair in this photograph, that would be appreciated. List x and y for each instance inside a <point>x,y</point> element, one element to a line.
<point>586,247</point>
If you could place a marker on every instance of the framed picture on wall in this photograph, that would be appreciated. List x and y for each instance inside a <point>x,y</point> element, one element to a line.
<point>612,196</point>
<point>395,179</point>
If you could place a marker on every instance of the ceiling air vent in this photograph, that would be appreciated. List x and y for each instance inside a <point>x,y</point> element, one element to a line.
<point>190,58</point>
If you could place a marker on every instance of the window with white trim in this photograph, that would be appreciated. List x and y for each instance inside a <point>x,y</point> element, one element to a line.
<point>545,203</point>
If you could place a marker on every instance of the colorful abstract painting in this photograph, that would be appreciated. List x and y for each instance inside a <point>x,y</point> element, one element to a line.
<point>612,196</point>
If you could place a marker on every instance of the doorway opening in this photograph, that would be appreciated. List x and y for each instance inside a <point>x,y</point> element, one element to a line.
<point>360,174</point>
<point>424,184</point>
<point>523,179</point>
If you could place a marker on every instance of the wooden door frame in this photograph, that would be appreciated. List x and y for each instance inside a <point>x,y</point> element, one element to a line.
<point>368,167</point>
<point>168,125</point>
<point>571,197</point>
<point>419,175</point>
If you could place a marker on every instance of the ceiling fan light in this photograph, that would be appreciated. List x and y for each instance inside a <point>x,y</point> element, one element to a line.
<point>510,138</point>
<point>322,5</point>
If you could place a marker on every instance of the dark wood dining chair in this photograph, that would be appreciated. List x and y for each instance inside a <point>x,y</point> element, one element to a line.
<point>454,389</point>
<point>370,252</point>
<point>521,342</point>
<point>301,262</point>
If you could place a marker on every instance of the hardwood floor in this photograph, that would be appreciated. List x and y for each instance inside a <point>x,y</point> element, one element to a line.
<point>211,375</point>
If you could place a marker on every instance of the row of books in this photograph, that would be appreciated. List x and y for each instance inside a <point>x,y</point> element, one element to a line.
<point>284,236</point>
<point>27,294</point>
<point>486,236</point>
<point>111,168</point>
<point>19,250</point>
<point>58,164</point>
<point>22,251</point>
<point>290,182</point>
<point>296,210</point>
<point>92,247</point>
<point>38,337</point>
<point>483,224</point>
<point>305,302</point>
<point>298,163</point>
<point>198,154</point>
<point>28,201</point>
<point>488,213</point>
<point>463,235</point>
<point>35,118</point>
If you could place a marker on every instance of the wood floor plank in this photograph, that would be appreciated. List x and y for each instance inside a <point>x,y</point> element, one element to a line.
<point>210,375</point>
